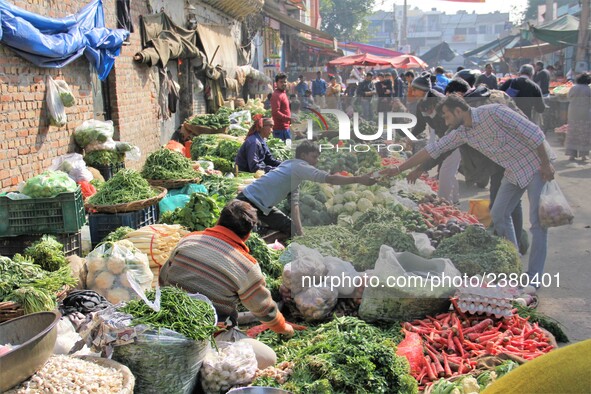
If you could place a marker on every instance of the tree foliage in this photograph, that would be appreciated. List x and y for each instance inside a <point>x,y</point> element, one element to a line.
<point>346,20</point>
<point>532,7</point>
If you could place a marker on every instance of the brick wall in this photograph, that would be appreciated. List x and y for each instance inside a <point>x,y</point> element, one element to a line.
<point>27,142</point>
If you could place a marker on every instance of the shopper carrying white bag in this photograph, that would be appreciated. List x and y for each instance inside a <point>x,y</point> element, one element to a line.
<point>554,209</point>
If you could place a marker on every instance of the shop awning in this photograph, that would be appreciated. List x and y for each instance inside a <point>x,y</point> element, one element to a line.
<point>294,23</point>
<point>324,46</point>
<point>218,38</point>
<point>438,53</point>
<point>493,45</point>
<point>371,49</point>
<point>531,51</point>
<point>561,31</point>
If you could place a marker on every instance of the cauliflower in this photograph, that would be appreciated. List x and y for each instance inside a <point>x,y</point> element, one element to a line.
<point>364,204</point>
<point>104,280</point>
<point>350,207</point>
<point>350,196</point>
<point>470,386</point>
<point>368,194</point>
<point>339,199</point>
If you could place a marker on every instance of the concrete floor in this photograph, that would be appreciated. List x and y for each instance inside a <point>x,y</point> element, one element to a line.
<point>569,248</point>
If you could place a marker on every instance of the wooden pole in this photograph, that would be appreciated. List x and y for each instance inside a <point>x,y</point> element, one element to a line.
<point>583,45</point>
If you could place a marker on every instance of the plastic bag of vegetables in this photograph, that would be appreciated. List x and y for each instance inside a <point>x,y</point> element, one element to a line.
<point>93,130</point>
<point>56,110</point>
<point>554,210</point>
<point>108,266</point>
<point>316,303</point>
<point>66,94</point>
<point>234,364</point>
<point>48,184</point>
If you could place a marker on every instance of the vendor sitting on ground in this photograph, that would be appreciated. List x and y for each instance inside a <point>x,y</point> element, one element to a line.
<point>273,187</point>
<point>254,154</point>
<point>216,263</point>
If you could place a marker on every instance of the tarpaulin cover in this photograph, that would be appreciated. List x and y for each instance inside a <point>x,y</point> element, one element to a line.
<point>561,31</point>
<point>438,53</point>
<point>56,42</point>
<point>163,40</point>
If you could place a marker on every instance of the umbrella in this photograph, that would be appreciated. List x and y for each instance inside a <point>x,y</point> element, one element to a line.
<point>363,59</point>
<point>408,61</point>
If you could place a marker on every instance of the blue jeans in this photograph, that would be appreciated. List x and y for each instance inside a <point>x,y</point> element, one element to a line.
<point>282,134</point>
<point>508,197</point>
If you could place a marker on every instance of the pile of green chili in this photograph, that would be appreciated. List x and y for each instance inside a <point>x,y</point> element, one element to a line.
<point>166,164</point>
<point>125,186</point>
<point>179,312</point>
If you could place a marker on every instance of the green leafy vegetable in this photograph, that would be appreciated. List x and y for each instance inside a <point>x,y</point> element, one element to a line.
<point>49,184</point>
<point>166,164</point>
<point>103,158</point>
<point>201,212</point>
<point>48,253</point>
<point>118,234</point>
<point>220,163</point>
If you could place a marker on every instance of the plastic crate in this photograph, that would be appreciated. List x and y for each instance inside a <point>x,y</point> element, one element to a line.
<point>63,214</point>
<point>101,224</point>
<point>109,170</point>
<point>9,246</point>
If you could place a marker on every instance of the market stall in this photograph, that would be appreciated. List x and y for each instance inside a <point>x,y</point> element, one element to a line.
<point>360,335</point>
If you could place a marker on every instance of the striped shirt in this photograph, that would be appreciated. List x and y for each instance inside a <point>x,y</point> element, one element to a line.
<point>504,136</point>
<point>210,266</point>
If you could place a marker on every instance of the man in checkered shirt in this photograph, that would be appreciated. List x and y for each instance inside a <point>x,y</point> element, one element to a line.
<point>514,143</point>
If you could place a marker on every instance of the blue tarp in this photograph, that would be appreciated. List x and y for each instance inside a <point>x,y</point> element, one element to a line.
<point>54,43</point>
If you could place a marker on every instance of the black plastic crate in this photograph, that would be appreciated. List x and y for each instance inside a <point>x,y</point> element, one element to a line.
<point>62,214</point>
<point>109,170</point>
<point>101,224</point>
<point>9,246</point>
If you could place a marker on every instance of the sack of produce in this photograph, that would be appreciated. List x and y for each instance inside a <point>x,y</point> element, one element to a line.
<point>66,95</point>
<point>73,164</point>
<point>48,184</point>
<point>234,364</point>
<point>316,303</point>
<point>92,130</point>
<point>342,274</point>
<point>55,106</point>
<point>554,210</point>
<point>409,287</point>
<point>108,268</point>
<point>305,268</point>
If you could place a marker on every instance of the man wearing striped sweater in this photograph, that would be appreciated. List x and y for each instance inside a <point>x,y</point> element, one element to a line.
<point>216,263</point>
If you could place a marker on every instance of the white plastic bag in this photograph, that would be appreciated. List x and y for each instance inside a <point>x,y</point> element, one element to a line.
<point>423,244</point>
<point>66,94</point>
<point>316,303</point>
<point>73,164</point>
<point>554,210</point>
<point>94,131</point>
<point>342,275</point>
<point>305,271</point>
<point>55,107</point>
<point>234,364</point>
<point>240,116</point>
<point>108,266</point>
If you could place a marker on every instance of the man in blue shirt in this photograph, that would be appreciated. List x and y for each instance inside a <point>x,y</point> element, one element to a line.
<point>301,87</point>
<point>273,187</point>
<point>442,80</point>
<point>319,87</point>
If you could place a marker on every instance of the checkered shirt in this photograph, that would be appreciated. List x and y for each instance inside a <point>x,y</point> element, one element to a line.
<point>501,134</point>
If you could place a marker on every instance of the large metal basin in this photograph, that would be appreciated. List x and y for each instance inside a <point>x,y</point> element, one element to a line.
<point>35,334</point>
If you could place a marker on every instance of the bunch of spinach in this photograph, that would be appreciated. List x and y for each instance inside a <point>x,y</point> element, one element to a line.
<point>201,212</point>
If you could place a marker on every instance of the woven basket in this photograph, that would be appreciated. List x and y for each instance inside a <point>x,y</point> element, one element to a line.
<point>130,206</point>
<point>128,378</point>
<point>10,310</point>
<point>198,130</point>
<point>172,183</point>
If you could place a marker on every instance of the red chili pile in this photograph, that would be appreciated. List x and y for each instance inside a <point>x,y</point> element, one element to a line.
<point>452,343</point>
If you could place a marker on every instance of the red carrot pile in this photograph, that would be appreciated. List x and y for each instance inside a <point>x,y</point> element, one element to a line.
<point>391,161</point>
<point>452,343</point>
<point>435,215</point>
<point>432,182</point>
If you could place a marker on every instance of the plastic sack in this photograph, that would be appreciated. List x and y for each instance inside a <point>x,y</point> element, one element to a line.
<point>304,270</point>
<point>73,164</point>
<point>48,184</point>
<point>234,364</point>
<point>56,109</point>
<point>87,189</point>
<point>170,203</point>
<point>411,347</point>
<point>316,303</point>
<point>176,146</point>
<point>423,244</point>
<point>163,361</point>
<point>93,130</point>
<point>480,209</point>
<point>410,287</point>
<point>240,117</point>
<point>554,210</point>
<point>110,145</point>
<point>135,154</point>
<point>345,272</point>
<point>66,95</point>
<point>108,266</point>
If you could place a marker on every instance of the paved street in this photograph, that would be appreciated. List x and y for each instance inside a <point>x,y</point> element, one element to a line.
<point>569,248</point>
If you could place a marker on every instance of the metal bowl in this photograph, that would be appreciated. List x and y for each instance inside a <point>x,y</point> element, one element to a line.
<point>258,390</point>
<point>35,334</point>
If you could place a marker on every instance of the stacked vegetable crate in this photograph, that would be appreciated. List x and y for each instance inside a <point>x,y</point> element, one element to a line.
<point>23,222</point>
<point>101,224</point>
<point>107,171</point>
